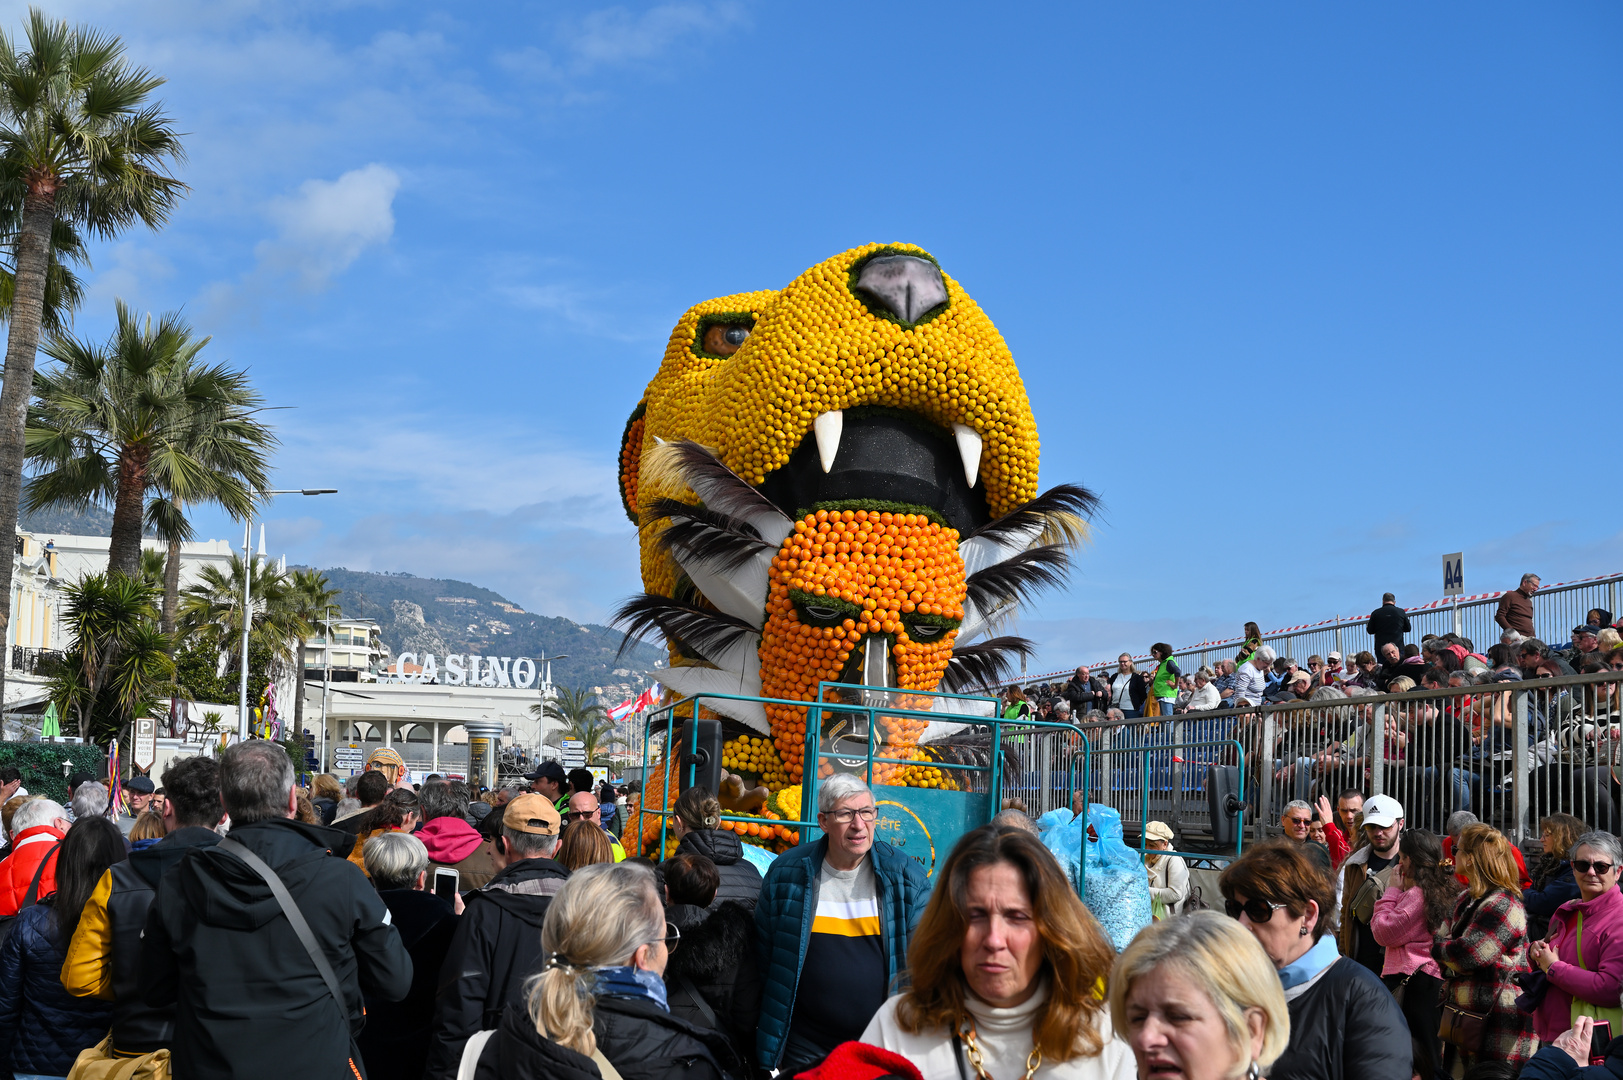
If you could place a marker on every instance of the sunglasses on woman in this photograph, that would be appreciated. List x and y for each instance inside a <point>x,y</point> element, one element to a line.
<point>1258,911</point>
<point>1584,866</point>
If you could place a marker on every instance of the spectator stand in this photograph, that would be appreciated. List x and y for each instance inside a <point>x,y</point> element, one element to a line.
<point>1510,752</point>
<point>1556,610</point>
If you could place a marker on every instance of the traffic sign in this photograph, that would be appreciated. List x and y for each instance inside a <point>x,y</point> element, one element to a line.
<point>348,757</point>
<point>1454,574</point>
<point>572,753</point>
<point>145,753</point>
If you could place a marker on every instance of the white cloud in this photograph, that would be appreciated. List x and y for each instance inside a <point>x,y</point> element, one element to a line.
<point>136,268</point>
<point>616,36</point>
<point>330,223</point>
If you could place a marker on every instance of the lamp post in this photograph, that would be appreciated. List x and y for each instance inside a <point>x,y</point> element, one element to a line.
<point>247,595</point>
<point>326,681</point>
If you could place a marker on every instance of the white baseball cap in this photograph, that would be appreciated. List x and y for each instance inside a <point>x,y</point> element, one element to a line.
<point>1383,811</point>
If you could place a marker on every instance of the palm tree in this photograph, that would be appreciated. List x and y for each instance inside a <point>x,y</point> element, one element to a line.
<point>211,613</point>
<point>140,414</point>
<point>116,658</point>
<point>81,142</point>
<point>583,718</point>
<point>310,595</point>
<point>64,292</point>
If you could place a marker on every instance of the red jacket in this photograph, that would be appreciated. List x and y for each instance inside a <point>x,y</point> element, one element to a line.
<point>28,848</point>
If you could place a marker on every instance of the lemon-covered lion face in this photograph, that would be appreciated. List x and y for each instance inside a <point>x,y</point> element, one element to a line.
<point>846,463</point>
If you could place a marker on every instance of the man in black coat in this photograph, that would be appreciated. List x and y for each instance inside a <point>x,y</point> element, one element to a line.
<point>1086,693</point>
<point>497,944</point>
<point>116,913</point>
<point>250,1002</point>
<point>1387,624</point>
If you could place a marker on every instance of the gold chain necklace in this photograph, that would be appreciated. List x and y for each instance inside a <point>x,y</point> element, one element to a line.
<point>972,1050</point>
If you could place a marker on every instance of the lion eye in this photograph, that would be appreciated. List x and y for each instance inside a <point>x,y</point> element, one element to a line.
<point>823,613</point>
<point>924,631</point>
<point>725,340</point>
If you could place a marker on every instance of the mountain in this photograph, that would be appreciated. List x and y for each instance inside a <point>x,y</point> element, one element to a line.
<point>440,616</point>
<point>92,522</point>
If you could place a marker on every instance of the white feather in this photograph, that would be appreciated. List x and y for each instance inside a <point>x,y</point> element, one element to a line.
<point>694,681</point>
<point>740,593</point>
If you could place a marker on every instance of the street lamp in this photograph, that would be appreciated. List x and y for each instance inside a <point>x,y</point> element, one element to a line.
<point>247,594</point>
<point>326,681</point>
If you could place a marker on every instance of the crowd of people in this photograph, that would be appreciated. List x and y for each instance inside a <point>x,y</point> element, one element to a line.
<point>245,940</point>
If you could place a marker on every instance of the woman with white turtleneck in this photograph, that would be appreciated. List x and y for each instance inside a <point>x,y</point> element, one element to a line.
<point>1002,929</point>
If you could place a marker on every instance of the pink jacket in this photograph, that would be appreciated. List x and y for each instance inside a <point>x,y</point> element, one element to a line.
<point>1399,923</point>
<point>1600,980</point>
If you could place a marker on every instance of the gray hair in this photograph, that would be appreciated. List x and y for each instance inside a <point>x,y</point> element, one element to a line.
<point>1297,804</point>
<point>36,812</point>
<point>1062,705</point>
<point>837,788</point>
<point>346,807</point>
<point>442,799</point>
<point>1596,840</point>
<point>394,859</point>
<point>1014,819</point>
<point>1266,654</point>
<point>1327,693</point>
<point>1530,577</point>
<point>90,800</point>
<point>1459,820</point>
<point>256,778</point>
<point>530,845</point>
<point>1511,637</point>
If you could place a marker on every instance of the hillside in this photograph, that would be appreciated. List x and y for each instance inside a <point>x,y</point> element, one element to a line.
<point>441,616</point>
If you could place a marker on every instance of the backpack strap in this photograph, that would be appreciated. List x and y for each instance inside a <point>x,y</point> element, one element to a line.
<point>698,1000</point>
<point>39,871</point>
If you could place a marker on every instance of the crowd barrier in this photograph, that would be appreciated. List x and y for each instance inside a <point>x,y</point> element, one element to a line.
<point>1556,610</point>
<point>1511,753</point>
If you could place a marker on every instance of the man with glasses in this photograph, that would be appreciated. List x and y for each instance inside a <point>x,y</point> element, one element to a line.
<point>583,806</point>
<point>1364,877</point>
<point>832,927</point>
<point>1516,607</point>
<point>1296,820</point>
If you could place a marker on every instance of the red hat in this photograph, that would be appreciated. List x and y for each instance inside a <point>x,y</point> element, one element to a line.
<point>859,1061</point>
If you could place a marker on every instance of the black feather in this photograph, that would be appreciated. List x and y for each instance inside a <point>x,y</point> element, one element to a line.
<point>1066,498</point>
<point>721,489</point>
<point>697,532</point>
<point>698,631</point>
<point>985,664</point>
<point>1018,578</point>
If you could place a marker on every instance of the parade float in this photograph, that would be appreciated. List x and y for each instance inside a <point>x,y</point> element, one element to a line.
<point>835,483</point>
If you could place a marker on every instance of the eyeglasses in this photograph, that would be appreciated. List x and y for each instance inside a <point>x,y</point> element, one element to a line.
<point>672,938</point>
<point>581,815</point>
<point>1584,866</point>
<point>1258,911</point>
<point>844,817</point>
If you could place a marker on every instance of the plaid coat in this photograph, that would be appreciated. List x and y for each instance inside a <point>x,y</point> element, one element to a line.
<point>1485,948</point>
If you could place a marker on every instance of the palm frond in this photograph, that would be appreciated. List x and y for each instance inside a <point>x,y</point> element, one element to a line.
<point>1057,516</point>
<point>697,631</point>
<point>985,664</point>
<point>1019,577</point>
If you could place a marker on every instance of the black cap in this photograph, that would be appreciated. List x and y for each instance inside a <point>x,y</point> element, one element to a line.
<point>1586,628</point>
<point>141,785</point>
<point>548,770</point>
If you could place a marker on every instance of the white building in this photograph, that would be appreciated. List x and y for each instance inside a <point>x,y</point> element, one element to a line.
<point>356,652</point>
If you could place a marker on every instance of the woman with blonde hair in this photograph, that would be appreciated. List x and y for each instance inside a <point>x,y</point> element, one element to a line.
<point>147,830</point>
<point>584,843</point>
<point>601,994</point>
<point>1483,948</point>
<point>1005,968</point>
<point>1197,997</point>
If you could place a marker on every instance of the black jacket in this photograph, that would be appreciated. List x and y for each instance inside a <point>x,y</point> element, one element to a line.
<point>42,1026</point>
<point>394,1042</point>
<point>1345,1026</point>
<point>496,946</point>
<point>644,1042</point>
<point>716,961</point>
<point>740,881</point>
<point>251,1004</point>
<point>1094,693</point>
<point>1138,688</point>
<point>139,1028</point>
<point>1387,623</point>
<point>518,1052</point>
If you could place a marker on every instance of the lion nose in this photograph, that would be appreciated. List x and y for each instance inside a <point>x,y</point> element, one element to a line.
<point>906,286</point>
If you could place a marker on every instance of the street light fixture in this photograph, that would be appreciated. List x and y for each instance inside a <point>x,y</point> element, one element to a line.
<point>247,594</point>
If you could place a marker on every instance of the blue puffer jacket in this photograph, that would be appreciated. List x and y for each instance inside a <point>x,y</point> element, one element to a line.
<point>42,1026</point>
<point>783,924</point>
<point>1559,887</point>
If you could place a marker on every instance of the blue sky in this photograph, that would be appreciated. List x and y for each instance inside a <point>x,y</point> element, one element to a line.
<point>1310,295</point>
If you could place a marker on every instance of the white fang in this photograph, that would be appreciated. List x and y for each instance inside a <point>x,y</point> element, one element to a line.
<point>828,429</point>
<point>969,448</point>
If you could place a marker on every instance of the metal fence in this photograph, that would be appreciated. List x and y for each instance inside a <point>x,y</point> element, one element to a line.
<point>1511,753</point>
<point>1556,610</point>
